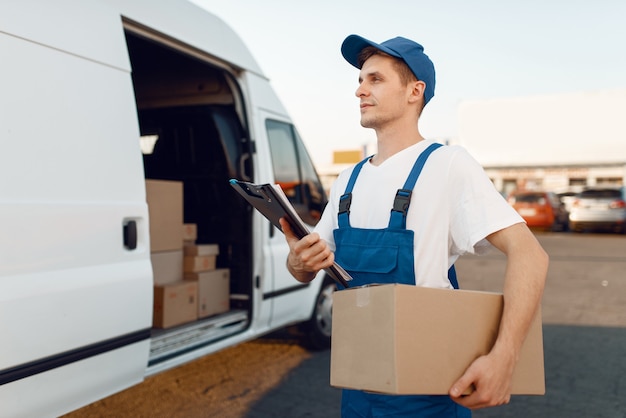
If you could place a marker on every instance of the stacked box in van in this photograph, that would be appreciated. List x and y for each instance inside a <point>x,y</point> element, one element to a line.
<point>175,300</point>
<point>213,283</point>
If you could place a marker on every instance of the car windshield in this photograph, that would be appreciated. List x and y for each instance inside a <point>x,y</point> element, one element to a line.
<point>601,194</point>
<point>529,197</point>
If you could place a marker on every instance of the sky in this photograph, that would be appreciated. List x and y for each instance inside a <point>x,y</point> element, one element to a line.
<point>482,49</point>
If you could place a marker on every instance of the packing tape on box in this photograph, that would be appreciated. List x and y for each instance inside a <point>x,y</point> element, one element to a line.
<point>363,296</point>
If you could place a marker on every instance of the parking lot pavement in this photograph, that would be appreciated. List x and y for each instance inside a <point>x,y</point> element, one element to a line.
<point>584,312</point>
<point>584,316</point>
<point>585,376</point>
<point>584,333</point>
<point>304,392</point>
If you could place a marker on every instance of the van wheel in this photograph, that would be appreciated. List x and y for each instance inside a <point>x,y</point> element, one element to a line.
<point>317,330</point>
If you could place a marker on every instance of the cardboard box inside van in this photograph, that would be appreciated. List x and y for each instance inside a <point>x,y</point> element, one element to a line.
<point>213,291</point>
<point>167,266</point>
<point>198,263</point>
<point>201,249</point>
<point>190,233</point>
<point>175,304</point>
<point>165,208</point>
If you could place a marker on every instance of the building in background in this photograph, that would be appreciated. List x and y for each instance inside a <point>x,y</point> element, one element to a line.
<point>559,143</point>
<point>342,159</point>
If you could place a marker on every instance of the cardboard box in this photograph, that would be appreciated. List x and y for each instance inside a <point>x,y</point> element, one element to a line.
<point>198,263</point>
<point>167,266</point>
<point>402,339</point>
<point>190,232</point>
<point>201,249</point>
<point>213,291</point>
<point>165,208</point>
<point>175,304</point>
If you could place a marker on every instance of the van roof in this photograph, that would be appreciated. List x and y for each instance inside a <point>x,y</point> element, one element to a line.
<point>87,30</point>
<point>191,24</point>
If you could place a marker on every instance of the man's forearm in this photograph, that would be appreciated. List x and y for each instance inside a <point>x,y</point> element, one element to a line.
<point>527,266</point>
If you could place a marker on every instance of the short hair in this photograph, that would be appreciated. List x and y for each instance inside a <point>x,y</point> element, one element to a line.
<point>405,73</point>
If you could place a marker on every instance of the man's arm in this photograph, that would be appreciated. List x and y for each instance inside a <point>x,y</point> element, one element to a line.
<point>524,281</point>
<point>306,256</point>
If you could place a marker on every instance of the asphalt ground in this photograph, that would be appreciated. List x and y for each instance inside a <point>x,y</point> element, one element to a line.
<point>584,331</point>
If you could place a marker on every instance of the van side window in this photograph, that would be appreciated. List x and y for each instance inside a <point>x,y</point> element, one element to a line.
<point>294,171</point>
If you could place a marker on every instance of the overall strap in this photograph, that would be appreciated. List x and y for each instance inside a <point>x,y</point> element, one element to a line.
<point>403,196</point>
<point>403,199</point>
<point>346,198</point>
<point>452,277</point>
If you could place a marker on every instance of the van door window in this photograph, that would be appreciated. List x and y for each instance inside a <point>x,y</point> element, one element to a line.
<point>294,171</point>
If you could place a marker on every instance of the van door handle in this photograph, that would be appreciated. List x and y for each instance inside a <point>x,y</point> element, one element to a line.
<point>244,164</point>
<point>130,235</point>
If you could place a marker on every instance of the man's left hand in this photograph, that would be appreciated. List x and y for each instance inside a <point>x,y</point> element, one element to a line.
<point>487,380</point>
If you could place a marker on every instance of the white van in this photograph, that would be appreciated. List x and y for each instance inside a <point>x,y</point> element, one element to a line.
<point>80,83</point>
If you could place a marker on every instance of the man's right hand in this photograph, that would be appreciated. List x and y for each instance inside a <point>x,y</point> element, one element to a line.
<point>306,256</point>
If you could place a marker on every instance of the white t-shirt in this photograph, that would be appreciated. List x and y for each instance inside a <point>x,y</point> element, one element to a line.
<point>454,206</point>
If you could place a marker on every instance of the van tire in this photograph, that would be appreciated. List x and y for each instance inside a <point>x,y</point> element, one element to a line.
<point>316,331</point>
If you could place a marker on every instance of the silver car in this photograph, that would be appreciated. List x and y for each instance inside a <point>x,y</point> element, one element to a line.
<point>599,208</point>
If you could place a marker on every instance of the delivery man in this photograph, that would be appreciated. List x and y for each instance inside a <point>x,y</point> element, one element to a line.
<point>405,214</point>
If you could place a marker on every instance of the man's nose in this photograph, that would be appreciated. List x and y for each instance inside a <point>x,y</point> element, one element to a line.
<point>360,91</point>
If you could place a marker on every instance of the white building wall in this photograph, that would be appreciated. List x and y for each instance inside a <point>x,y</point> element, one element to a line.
<point>559,142</point>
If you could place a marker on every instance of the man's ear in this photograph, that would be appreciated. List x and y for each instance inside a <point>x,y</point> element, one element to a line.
<point>417,91</point>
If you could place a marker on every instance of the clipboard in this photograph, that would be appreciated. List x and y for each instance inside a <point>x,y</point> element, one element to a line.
<point>271,202</point>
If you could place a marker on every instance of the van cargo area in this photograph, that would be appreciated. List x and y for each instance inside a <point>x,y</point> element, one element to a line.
<point>191,133</point>
<point>125,249</point>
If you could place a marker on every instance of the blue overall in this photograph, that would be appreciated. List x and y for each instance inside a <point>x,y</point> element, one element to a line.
<point>386,256</point>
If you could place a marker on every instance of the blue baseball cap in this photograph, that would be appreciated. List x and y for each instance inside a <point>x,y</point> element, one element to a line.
<point>407,50</point>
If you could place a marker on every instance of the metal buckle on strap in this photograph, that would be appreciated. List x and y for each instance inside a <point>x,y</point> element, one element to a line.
<point>344,203</point>
<point>402,201</point>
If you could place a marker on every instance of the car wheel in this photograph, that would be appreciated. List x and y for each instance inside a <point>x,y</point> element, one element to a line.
<point>317,330</point>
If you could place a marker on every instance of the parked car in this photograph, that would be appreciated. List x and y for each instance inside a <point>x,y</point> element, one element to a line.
<point>599,208</point>
<point>541,210</point>
<point>568,199</point>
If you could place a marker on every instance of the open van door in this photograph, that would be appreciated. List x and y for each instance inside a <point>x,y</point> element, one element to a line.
<point>75,273</point>
<point>295,173</point>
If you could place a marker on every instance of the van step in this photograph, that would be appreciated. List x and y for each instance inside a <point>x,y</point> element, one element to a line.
<point>168,342</point>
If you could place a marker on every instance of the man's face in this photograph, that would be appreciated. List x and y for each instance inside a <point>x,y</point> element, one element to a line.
<point>383,96</point>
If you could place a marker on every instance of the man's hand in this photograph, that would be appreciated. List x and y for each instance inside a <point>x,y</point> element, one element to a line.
<point>306,256</point>
<point>485,383</point>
